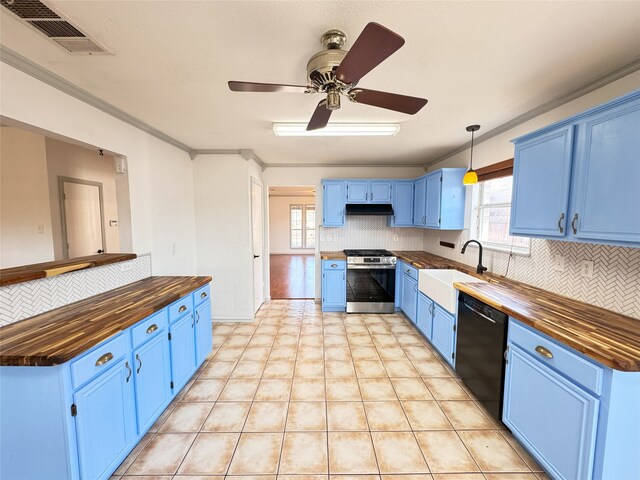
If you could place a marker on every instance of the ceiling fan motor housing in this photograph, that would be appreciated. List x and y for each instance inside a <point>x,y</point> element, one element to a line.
<point>321,66</point>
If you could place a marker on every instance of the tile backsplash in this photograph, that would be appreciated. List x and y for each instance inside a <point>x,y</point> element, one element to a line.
<point>370,232</point>
<point>24,300</point>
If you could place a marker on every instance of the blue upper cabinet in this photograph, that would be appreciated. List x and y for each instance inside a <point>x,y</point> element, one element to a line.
<point>402,201</point>
<point>419,202</point>
<point>434,191</point>
<point>368,191</point>
<point>380,191</point>
<point>578,180</point>
<point>445,196</point>
<point>357,191</point>
<point>333,202</point>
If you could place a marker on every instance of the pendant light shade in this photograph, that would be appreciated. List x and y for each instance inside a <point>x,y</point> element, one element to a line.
<point>471,176</point>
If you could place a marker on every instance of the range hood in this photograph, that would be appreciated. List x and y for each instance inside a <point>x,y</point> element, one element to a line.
<point>369,209</point>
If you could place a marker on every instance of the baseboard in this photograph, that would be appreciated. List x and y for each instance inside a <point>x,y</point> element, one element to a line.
<point>231,319</point>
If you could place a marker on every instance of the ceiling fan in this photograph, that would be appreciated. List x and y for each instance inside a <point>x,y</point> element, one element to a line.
<point>336,72</point>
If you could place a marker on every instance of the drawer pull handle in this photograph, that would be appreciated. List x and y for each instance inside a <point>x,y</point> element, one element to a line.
<point>152,328</point>
<point>545,352</point>
<point>126,364</point>
<point>573,224</point>
<point>104,359</point>
<point>560,223</point>
<point>139,366</point>
<point>182,308</point>
<point>203,295</point>
<point>408,271</point>
<point>334,265</point>
<point>197,316</point>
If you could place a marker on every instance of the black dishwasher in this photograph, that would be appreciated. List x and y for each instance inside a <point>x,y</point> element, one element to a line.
<point>482,340</point>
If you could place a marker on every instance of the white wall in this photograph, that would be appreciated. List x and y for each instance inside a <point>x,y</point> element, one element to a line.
<point>160,175</point>
<point>279,223</point>
<point>24,199</point>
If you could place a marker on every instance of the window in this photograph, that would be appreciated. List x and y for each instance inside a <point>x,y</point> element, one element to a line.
<point>493,211</point>
<point>303,226</point>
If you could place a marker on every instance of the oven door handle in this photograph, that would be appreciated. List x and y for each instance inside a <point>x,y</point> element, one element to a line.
<point>372,266</point>
<point>479,313</point>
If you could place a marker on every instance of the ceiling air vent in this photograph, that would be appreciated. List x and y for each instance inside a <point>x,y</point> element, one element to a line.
<point>52,23</point>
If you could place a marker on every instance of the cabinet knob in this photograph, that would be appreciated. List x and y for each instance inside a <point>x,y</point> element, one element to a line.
<point>545,352</point>
<point>560,227</point>
<point>104,359</point>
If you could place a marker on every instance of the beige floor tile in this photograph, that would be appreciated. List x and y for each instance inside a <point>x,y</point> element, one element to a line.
<point>426,415</point>
<point>133,455</point>
<point>528,459</point>
<point>227,354</point>
<point>256,453</point>
<point>262,340</point>
<point>464,415</point>
<point>418,353</point>
<point>356,477</point>
<point>338,354</point>
<point>218,370</point>
<point>248,369</point>
<point>386,416</point>
<point>309,369</point>
<point>376,389</point>
<point>445,389</point>
<point>256,354</point>
<point>245,477</point>
<point>492,452</point>
<point>227,417</point>
<point>458,476</point>
<point>409,339</point>
<point>206,390</point>
<point>431,368</point>
<point>286,341</point>
<point>307,416</point>
<point>186,417</point>
<point>364,353</point>
<point>411,389</point>
<point>351,453</point>
<point>398,452</point>
<point>266,417</point>
<point>361,341</point>
<point>387,340</point>
<point>302,477</point>
<point>308,389</point>
<point>415,476</point>
<point>310,354</point>
<point>343,389</point>
<point>400,368</point>
<point>237,341</point>
<point>210,454</point>
<point>274,389</point>
<point>162,455</point>
<point>370,369</point>
<point>510,476</point>
<point>346,416</point>
<point>336,340</point>
<point>143,477</point>
<point>314,340</point>
<point>392,353</point>
<point>279,369</point>
<point>239,389</point>
<point>283,352</point>
<point>304,453</point>
<point>339,369</point>
<point>445,452</point>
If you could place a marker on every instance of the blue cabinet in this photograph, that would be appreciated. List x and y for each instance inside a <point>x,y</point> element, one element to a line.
<point>204,331</point>
<point>420,202</point>
<point>402,202</point>
<point>368,191</point>
<point>443,334</point>
<point>183,351</point>
<point>380,191</point>
<point>333,203</point>
<point>409,291</point>
<point>439,200</point>
<point>357,191</point>
<point>432,208</point>
<point>334,286</point>
<point>424,315</point>
<point>578,180</point>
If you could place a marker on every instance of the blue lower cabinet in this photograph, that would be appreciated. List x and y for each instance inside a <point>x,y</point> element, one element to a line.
<point>443,334</point>
<point>334,286</point>
<point>105,421</point>
<point>183,351</point>
<point>409,296</point>
<point>424,315</point>
<point>204,331</point>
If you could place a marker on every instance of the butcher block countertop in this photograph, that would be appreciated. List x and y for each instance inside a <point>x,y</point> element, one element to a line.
<point>25,273</point>
<point>610,338</point>
<point>57,336</point>
<point>340,255</point>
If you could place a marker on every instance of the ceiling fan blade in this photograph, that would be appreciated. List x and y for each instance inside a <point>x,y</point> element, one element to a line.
<point>390,101</point>
<point>320,117</point>
<point>375,44</point>
<point>265,87</point>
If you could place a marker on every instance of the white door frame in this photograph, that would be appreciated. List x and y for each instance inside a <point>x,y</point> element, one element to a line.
<point>255,181</point>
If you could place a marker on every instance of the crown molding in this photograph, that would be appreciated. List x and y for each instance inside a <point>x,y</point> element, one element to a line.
<point>348,165</point>
<point>566,97</point>
<point>245,153</point>
<point>34,70</point>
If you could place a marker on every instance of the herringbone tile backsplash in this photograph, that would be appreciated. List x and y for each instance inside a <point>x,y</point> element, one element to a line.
<point>24,300</point>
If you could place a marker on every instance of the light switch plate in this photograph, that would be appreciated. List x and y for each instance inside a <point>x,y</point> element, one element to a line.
<point>558,263</point>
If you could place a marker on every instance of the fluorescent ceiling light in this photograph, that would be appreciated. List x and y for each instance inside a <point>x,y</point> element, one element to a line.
<point>337,130</point>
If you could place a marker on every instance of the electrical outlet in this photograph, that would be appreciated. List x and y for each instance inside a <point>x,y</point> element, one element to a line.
<point>40,228</point>
<point>126,267</point>
<point>328,238</point>
<point>395,238</point>
<point>558,263</point>
<point>586,268</point>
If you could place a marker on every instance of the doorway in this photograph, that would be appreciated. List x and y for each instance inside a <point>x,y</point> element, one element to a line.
<point>257,240</point>
<point>292,241</point>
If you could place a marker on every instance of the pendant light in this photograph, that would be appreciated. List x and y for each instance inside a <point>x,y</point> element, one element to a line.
<point>471,176</point>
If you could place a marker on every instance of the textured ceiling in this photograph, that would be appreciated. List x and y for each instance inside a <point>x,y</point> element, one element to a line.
<point>476,62</point>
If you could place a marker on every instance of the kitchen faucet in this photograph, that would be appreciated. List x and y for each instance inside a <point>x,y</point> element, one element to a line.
<point>480,268</point>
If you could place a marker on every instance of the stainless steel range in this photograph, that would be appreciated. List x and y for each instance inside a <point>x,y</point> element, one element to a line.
<point>371,281</point>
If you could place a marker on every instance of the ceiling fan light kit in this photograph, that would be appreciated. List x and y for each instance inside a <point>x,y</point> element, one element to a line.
<point>471,176</point>
<point>337,130</point>
<point>336,72</point>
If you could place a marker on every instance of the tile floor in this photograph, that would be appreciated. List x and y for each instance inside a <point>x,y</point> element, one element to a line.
<point>298,394</point>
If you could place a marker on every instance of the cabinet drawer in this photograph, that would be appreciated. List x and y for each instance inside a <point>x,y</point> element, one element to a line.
<point>576,368</point>
<point>179,309</point>
<point>334,264</point>
<point>98,360</point>
<point>149,328</point>
<point>201,295</point>
<point>410,271</point>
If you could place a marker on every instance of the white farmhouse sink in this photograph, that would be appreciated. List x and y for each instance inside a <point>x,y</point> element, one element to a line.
<point>437,284</point>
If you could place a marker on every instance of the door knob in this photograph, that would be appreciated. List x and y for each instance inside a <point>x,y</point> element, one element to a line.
<point>256,256</point>
<point>100,251</point>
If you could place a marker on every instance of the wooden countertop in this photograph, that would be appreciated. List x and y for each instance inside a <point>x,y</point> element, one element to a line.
<point>25,273</point>
<point>340,255</point>
<point>610,338</point>
<point>57,336</point>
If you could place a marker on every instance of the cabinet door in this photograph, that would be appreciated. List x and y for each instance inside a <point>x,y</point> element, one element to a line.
<point>541,176</point>
<point>424,315</point>
<point>555,419</point>
<point>419,202</point>
<point>402,193</point>
<point>443,335</point>
<point>409,297</point>
<point>379,191</point>
<point>183,356</point>
<point>204,332</point>
<point>434,194</point>
<point>105,421</point>
<point>153,378</point>
<point>607,174</point>
<point>334,290</point>
<point>357,191</point>
<point>333,200</point>
<point>399,277</point>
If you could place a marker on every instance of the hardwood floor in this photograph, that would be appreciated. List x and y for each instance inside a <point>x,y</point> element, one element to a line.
<point>293,276</point>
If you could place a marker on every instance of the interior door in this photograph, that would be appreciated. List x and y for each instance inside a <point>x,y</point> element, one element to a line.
<point>82,217</point>
<point>257,236</point>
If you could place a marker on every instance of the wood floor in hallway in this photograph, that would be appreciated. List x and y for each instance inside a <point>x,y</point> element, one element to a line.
<point>293,276</point>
